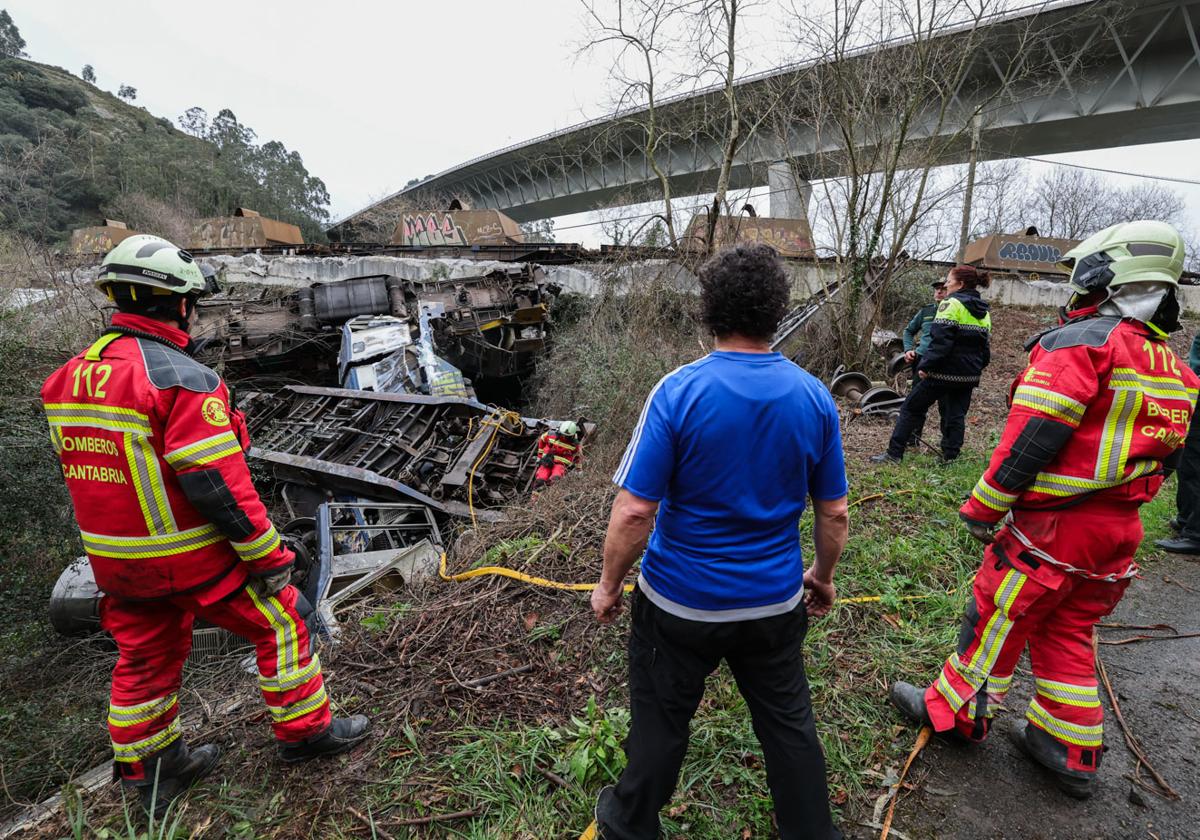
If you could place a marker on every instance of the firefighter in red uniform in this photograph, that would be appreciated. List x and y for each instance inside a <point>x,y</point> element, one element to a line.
<point>557,452</point>
<point>1096,424</point>
<point>152,454</point>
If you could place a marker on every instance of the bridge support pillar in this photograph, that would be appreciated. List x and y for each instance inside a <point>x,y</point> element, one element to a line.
<point>789,195</point>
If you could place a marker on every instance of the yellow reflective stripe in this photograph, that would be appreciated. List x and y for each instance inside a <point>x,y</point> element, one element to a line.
<point>287,642</point>
<point>114,410</point>
<point>1072,733</point>
<point>157,545</point>
<point>1058,406</point>
<point>1160,387</point>
<point>62,419</point>
<point>969,675</point>
<point>947,691</point>
<point>112,418</point>
<point>1053,484</point>
<point>148,485</point>
<point>258,547</point>
<point>56,439</point>
<point>1084,696</point>
<point>204,451</point>
<point>282,714</point>
<point>990,496</point>
<point>1118,435</point>
<point>142,712</point>
<point>999,685</point>
<point>93,352</point>
<point>998,625</point>
<point>147,746</point>
<point>286,682</point>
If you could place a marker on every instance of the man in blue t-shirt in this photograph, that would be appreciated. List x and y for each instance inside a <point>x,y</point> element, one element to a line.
<point>723,458</point>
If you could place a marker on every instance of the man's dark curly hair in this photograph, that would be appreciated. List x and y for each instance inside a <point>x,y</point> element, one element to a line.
<point>744,290</point>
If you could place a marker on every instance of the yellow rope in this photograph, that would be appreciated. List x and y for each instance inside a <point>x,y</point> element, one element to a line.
<point>504,571</point>
<point>501,571</point>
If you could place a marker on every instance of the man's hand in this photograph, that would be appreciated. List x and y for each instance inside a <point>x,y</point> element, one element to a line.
<point>819,595</point>
<point>982,531</point>
<point>909,355</point>
<point>272,584</point>
<point>922,374</point>
<point>606,602</point>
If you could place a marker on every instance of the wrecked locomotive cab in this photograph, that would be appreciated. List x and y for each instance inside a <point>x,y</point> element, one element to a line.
<point>454,455</point>
<point>491,327</point>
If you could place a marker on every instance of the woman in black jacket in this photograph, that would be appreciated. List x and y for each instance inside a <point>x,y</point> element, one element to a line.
<point>959,350</point>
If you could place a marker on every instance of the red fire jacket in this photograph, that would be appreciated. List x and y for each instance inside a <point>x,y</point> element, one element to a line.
<point>152,456</point>
<point>562,450</point>
<point>1101,412</point>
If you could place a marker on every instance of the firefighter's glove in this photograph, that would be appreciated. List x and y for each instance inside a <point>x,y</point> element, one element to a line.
<point>273,583</point>
<point>985,532</point>
<point>546,461</point>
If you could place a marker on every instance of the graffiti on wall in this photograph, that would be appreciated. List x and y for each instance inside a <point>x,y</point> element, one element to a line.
<point>426,230</point>
<point>1034,252</point>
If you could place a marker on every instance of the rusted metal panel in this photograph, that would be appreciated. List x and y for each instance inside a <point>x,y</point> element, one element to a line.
<point>247,229</point>
<point>457,227</point>
<point>99,239</point>
<point>789,237</point>
<point>1018,252</point>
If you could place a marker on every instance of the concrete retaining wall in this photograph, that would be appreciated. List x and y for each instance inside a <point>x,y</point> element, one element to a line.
<point>1016,292</point>
<point>589,279</point>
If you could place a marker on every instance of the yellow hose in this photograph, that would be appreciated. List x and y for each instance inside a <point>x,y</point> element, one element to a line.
<point>504,571</point>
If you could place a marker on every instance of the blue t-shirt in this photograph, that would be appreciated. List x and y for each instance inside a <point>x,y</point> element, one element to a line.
<point>731,445</point>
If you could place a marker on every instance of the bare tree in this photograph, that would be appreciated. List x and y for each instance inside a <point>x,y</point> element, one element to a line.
<point>642,33</point>
<point>888,96</point>
<point>1067,202</point>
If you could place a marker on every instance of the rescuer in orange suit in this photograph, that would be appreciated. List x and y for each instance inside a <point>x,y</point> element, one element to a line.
<point>152,454</point>
<point>557,452</point>
<point>1097,422</point>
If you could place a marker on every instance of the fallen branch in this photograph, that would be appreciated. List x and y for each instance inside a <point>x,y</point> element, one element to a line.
<point>1131,741</point>
<point>476,684</point>
<point>376,831</point>
<point>1158,627</point>
<point>1132,639</point>
<point>1182,586</point>
<point>922,739</point>
<point>457,815</point>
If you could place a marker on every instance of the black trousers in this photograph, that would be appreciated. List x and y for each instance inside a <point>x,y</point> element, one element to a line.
<point>919,431</point>
<point>1187,493</point>
<point>953,400</point>
<point>669,659</point>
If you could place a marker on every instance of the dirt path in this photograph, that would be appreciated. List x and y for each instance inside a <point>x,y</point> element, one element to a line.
<point>994,792</point>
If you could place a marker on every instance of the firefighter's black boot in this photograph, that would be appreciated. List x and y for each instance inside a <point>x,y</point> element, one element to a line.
<point>910,700</point>
<point>1052,755</point>
<point>341,735</point>
<point>169,773</point>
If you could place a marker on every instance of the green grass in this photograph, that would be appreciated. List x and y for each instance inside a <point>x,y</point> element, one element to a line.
<point>907,543</point>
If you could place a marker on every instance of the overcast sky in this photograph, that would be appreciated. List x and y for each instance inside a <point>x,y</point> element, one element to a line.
<point>373,94</point>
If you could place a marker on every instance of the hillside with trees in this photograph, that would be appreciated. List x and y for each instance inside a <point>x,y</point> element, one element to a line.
<point>71,153</point>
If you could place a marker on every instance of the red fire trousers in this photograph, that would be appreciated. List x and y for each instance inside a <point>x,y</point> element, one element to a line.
<point>550,472</point>
<point>1045,582</point>
<point>155,637</point>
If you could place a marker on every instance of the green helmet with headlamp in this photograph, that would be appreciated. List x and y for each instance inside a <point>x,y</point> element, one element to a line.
<point>1132,268</point>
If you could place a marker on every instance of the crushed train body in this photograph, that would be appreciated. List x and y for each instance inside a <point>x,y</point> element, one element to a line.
<point>457,456</point>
